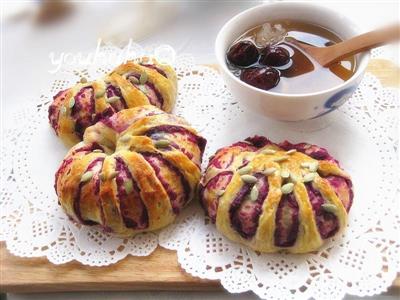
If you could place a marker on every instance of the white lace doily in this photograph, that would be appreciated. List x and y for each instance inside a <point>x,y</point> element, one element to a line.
<point>389,52</point>
<point>362,135</point>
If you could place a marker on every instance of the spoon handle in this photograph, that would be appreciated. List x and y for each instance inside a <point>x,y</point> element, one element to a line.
<point>362,43</point>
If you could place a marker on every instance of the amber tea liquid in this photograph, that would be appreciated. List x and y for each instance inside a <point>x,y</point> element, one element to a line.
<point>303,74</point>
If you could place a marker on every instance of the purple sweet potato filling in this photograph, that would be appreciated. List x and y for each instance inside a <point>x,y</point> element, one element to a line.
<point>343,189</point>
<point>157,162</point>
<point>313,151</point>
<point>130,202</point>
<point>54,112</point>
<point>245,213</point>
<point>64,165</point>
<point>259,141</point>
<point>223,158</point>
<point>287,221</point>
<point>88,148</point>
<point>97,191</point>
<point>113,91</point>
<point>154,67</point>
<point>104,115</point>
<point>115,123</point>
<point>156,132</point>
<point>208,200</point>
<point>176,146</point>
<point>222,161</point>
<point>83,109</point>
<point>67,161</point>
<point>94,166</point>
<point>245,162</point>
<point>54,109</point>
<point>154,96</point>
<point>327,222</point>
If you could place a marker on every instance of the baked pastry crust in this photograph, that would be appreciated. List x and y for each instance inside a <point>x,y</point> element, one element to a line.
<point>274,197</point>
<point>129,85</point>
<point>133,172</point>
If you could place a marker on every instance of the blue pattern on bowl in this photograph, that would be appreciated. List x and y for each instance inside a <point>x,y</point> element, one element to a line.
<point>336,100</point>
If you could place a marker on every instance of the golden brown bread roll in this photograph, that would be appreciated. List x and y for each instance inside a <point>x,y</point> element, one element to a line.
<point>133,172</point>
<point>274,197</point>
<point>129,85</point>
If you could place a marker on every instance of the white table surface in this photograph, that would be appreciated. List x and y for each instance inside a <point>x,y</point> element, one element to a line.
<point>189,27</point>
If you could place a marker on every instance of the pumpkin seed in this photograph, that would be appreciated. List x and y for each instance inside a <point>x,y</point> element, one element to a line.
<point>128,185</point>
<point>134,80</point>
<point>97,151</point>
<point>329,207</point>
<point>162,143</point>
<point>100,94</point>
<point>268,151</point>
<point>254,193</point>
<point>280,159</point>
<point>63,110</point>
<point>285,174</point>
<point>293,178</point>
<point>313,166</point>
<point>219,193</point>
<point>157,136</point>
<point>87,176</point>
<point>249,178</point>
<point>102,176</point>
<point>112,175</point>
<point>71,102</point>
<point>143,89</point>
<point>309,177</point>
<point>291,151</point>
<point>269,171</point>
<point>113,99</point>
<point>83,80</point>
<point>305,164</point>
<point>125,138</point>
<point>244,170</point>
<point>287,188</point>
<point>143,78</point>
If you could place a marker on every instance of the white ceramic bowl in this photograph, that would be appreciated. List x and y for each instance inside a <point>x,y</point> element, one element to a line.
<point>289,107</point>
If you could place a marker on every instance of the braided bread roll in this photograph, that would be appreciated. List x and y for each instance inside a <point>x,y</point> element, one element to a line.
<point>274,197</point>
<point>129,85</point>
<point>133,172</point>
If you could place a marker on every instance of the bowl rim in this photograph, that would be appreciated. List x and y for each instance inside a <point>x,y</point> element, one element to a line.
<point>360,68</point>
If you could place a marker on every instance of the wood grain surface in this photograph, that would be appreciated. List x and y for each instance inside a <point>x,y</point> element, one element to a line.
<point>159,271</point>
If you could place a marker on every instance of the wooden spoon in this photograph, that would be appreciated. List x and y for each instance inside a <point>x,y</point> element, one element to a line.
<point>331,54</point>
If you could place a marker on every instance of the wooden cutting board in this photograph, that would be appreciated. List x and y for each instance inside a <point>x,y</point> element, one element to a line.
<point>159,271</point>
